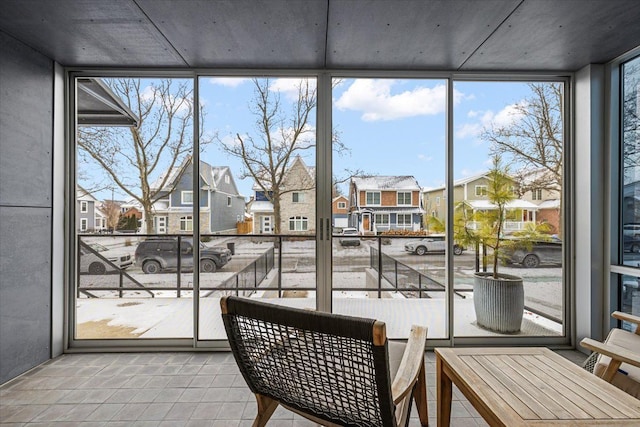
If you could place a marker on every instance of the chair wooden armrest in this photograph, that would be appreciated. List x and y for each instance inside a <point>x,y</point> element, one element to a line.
<point>613,351</point>
<point>626,317</point>
<point>410,365</point>
<point>617,354</point>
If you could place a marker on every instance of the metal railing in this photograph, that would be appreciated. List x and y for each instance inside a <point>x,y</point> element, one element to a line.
<point>403,278</point>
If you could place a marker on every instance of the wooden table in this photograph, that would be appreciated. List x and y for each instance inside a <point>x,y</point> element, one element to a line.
<point>529,387</point>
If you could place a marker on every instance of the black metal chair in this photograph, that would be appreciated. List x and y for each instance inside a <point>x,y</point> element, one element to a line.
<point>331,369</point>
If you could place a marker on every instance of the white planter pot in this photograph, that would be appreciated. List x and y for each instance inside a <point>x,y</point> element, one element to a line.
<point>499,303</point>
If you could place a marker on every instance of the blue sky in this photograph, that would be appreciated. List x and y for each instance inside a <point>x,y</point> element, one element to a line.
<point>390,126</point>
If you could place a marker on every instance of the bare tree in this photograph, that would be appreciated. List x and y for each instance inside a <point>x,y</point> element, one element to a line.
<point>534,139</point>
<point>111,210</point>
<point>282,133</point>
<point>630,120</point>
<point>132,157</point>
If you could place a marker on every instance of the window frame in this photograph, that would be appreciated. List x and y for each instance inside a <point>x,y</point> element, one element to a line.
<point>373,194</point>
<point>184,222</point>
<point>481,190</point>
<point>300,220</point>
<point>184,193</point>
<point>404,195</point>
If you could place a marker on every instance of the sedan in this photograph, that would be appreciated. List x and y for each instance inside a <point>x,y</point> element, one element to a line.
<point>98,259</point>
<point>431,244</point>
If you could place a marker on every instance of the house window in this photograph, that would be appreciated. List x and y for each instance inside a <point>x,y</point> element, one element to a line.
<point>373,197</point>
<point>297,197</point>
<point>84,206</point>
<point>404,220</point>
<point>404,198</point>
<point>298,223</point>
<point>438,201</point>
<point>536,194</point>
<point>83,224</point>
<point>342,205</point>
<point>227,179</point>
<point>186,197</point>
<point>186,223</point>
<point>381,219</point>
<point>229,201</point>
<point>481,190</point>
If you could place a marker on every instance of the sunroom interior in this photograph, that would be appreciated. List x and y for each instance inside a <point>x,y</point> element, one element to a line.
<point>61,64</point>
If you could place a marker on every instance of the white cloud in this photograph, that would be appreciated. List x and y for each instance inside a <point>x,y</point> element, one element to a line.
<point>424,157</point>
<point>228,81</point>
<point>374,98</point>
<point>289,86</point>
<point>487,119</point>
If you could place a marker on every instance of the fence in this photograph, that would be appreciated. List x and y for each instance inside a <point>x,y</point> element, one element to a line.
<point>247,279</point>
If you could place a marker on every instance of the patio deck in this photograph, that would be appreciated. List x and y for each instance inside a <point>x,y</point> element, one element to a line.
<point>161,389</point>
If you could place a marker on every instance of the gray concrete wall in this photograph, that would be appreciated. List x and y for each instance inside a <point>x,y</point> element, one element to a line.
<point>589,207</point>
<point>26,126</point>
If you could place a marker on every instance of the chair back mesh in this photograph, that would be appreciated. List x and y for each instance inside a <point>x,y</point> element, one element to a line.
<point>325,365</point>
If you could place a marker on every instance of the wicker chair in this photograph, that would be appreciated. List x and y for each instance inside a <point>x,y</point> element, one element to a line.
<point>331,369</point>
<point>617,359</point>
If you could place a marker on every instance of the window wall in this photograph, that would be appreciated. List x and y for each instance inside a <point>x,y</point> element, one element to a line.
<point>629,207</point>
<point>252,194</point>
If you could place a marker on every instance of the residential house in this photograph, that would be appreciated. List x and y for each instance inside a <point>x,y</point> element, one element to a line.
<point>541,190</point>
<point>221,205</point>
<point>340,211</point>
<point>89,217</point>
<point>473,193</point>
<point>381,203</point>
<point>297,202</point>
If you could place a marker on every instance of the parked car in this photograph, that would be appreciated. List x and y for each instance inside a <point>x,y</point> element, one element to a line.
<point>532,254</point>
<point>98,259</point>
<point>431,244</point>
<point>631,244</point>
<point>349,237</point>
<point>156,255</point>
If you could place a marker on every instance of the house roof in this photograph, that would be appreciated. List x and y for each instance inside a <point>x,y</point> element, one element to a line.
<point>311,170</point>
<point>459,182</point>
<point>406,182</point>
<point>211,175</point>
<point>550,204</point>
<point>261,206</point>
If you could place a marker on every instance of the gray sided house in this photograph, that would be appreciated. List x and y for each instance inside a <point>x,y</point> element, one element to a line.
<point>382,203</point>
<point>221,206</point>
<point>89,218</point>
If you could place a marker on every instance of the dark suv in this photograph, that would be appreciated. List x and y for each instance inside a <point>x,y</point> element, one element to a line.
<point>156,255</point>
<point>532,254</point>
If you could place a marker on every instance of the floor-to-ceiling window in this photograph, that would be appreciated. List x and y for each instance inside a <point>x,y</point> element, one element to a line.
<point>508,197</point>
<point>236,197</point>
<point>257,191</point>
<point>629,195</point>
<point>134,208</point>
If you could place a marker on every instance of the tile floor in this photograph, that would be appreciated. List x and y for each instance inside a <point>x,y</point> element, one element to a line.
<point>161,389</point>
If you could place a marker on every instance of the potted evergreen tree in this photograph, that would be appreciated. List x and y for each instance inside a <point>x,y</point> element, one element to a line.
<point>498,298</point>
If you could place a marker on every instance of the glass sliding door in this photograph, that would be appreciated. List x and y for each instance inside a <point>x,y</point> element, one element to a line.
<point>508,208</point>
<point>388,242</point>
<point>133,208</point>
<point>629,290</point>
<point>257,193</point>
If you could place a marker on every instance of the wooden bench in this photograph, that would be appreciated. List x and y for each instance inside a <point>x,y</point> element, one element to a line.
<point>331,369</point>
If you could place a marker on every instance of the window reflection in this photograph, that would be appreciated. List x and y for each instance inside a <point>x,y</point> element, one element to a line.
<point>631,163</point>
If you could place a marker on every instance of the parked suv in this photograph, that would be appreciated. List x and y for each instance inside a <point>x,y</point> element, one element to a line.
<point>156,255</point>
<point>431,244</point>
<point>533,254</point>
